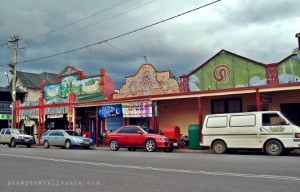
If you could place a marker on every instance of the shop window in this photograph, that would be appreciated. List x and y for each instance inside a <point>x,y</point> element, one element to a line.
<point>226,106</point>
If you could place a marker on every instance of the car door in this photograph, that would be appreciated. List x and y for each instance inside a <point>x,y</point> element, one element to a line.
<point>60,139</point>
<point>273,125</point>
<point>52,137</point>
<point>136,137</point>
<point>7,136</point>
<point>2,140</point>
<point>123,136</point>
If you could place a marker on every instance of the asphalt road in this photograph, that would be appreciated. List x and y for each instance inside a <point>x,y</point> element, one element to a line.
<point>77,170</point>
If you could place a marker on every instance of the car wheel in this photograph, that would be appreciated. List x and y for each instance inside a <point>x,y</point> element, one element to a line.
<point>28,145</point>
<point>150,145</point>
<point>274,147</point>
<point>13,143</point>
<point>131,149</point>
<point>183,143</point>
<point>219,147</point>
<point>68,144</point>
<point>114,145</point>
<point>46,144</point>
<point>169,150</point>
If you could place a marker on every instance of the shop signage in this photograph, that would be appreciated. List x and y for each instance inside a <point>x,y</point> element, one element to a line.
<point>56,110</point>
<point>266,98</point>
<point>29,112</point>
<point>5,116</point>
<point>30,103</point>
<point>28,123</point>
<point>55,116</point>
<point>137,109</point>
<point>110,111</point>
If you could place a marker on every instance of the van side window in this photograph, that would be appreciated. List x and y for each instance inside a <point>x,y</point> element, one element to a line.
<point>242,121</point>
<point>217,122</point>
<point>272,119</point>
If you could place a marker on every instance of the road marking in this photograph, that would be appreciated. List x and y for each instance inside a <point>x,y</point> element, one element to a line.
<point>160,169</point>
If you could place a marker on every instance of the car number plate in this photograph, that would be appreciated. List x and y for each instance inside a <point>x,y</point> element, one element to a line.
<point>26,140</point>
<point>86,142</point>
<point>175,144</point>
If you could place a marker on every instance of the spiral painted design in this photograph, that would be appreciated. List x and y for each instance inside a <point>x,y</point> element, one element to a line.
<point>221,73</point>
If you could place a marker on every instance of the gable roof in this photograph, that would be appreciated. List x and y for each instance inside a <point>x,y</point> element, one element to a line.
<point>33,80</point>
<point>220,52</point>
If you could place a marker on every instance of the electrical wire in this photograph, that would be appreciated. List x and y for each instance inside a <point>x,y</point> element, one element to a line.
<point>122,35</point>
<point>88,26</point>
<point>133,55</point>
<point>82,19</point>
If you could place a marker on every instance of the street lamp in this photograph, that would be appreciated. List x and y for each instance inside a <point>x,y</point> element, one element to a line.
<point>6,74</point>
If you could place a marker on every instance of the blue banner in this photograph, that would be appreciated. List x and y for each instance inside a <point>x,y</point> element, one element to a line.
<point>110,111</point>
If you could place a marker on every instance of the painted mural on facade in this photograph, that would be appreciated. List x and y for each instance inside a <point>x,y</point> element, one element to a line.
<point>71,84</point>
<point>148,81</point>
<point>226,70</point>
<point>289,70</point>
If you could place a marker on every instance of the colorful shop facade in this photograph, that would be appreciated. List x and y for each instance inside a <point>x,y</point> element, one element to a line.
<point>227,82</point>
<point>55,109</point>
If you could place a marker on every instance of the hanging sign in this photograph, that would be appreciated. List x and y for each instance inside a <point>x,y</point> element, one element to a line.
<point>143,109</point>
<point>55,116</point>
<point>110,111</point>
<point>28,123</point>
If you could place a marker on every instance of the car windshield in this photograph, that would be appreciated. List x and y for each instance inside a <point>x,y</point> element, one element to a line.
<point>22,132</point>
<point>16,131</point>
<point>72,133</point>
<point>148,130</point>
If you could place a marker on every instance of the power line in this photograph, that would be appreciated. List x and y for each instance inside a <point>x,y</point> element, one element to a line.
<point>82,19</point>
<point>133,55</point>
<point>102,21</point>
<point>122,35</point>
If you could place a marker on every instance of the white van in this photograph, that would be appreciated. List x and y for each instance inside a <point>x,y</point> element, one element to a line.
<point>266,130</point>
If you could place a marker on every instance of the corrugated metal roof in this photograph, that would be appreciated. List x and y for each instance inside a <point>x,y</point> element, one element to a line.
<point>33,80</point>
<point>8,89</point>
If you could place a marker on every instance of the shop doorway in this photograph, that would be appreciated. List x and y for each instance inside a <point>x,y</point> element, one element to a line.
<point>291,111</point>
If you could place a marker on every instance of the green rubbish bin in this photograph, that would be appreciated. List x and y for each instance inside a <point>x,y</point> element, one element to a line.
<point>194,136</point>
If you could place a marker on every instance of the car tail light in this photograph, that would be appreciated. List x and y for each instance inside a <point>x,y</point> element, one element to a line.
<point>297,135</point>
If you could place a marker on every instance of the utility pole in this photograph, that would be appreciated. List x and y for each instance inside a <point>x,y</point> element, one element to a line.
<point>14,41</point>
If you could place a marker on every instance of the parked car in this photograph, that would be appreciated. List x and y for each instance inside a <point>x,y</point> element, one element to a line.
<point>134,137</point>
<point>65,138</point>
<point>14,136</point>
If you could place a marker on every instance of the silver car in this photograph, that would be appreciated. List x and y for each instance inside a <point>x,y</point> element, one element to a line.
<point>14,136</point>
<point>65,139</point>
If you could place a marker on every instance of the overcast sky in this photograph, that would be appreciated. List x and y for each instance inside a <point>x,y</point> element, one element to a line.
<point>262,30</point>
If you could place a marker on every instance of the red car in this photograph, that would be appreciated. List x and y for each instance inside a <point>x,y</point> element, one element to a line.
<point>133,137</point>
